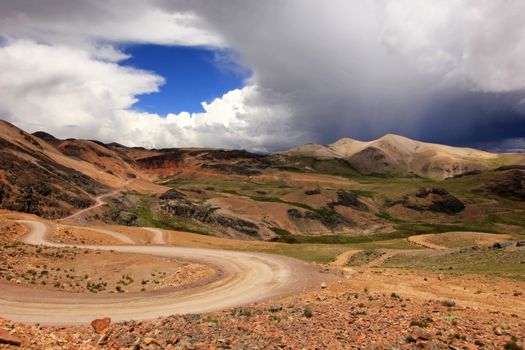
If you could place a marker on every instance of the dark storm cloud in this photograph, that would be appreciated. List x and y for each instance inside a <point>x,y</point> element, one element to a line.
<point>444,72</point>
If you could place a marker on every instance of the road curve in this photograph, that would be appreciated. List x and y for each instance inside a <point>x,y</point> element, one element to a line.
<point>157,236</point>
<point>241,278</point>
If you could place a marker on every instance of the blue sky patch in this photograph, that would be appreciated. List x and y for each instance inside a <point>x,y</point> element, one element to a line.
<point>192,74</point>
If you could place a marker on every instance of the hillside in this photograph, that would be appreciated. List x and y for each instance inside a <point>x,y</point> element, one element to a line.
<point>35,179</point>
<point>312,193</point>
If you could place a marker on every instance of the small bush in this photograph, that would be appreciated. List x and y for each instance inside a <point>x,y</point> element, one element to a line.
<point>422,324</point>
<point>512,345</point>
<point>448,303</point>
<point>410,339</point>
<point>307,311</point>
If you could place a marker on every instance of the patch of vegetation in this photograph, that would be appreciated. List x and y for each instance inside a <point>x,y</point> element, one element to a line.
<point>336,166</point>
<point>307,312</point>
<point>410,339</point>
<point>448,303</point>
<point>364,257</point>
<point>495,262</point>
<point>512,344</point>
<point>424,228</point>
<point>278,200</point>
<point>147,218</point>
<point>281,231</point>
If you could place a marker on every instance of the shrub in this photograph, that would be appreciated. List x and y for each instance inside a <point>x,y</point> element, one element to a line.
<point>422,324</point>
<point>448,303</point>
<point>307,311</point>
<point>512,345</point>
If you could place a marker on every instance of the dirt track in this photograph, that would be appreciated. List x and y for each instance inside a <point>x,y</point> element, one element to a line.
<point>241,278</point>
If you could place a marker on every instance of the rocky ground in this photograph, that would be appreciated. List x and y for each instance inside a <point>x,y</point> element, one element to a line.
<point>331,318</point>
<point>373,308</point>
<point>82,270</point>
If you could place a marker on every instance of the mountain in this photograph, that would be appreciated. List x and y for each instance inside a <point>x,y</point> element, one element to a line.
<point>36,178</point>
<point>398,155</point>
<point>51,177</point>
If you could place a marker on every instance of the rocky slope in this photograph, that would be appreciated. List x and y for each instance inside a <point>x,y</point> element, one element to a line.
<point>34,180</point>
<point>311,191</point>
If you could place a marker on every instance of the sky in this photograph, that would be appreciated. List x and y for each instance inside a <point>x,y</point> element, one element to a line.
<point>191,74</point>
<point>265,75</point>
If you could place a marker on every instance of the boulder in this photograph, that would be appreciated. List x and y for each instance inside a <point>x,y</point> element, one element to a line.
<point>470,249</point>
<point>101,324</point>
<point>172,194</point>
<point>7,338</point>
<point>312,192</point>
<point>420,334</point>
<point>501,245</point>
<point>295,213</point>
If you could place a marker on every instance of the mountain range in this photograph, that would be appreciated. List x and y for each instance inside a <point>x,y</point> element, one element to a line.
<point>398,155</point>
<point>348,187</point>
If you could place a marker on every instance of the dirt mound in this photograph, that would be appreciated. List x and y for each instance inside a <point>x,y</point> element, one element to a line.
<point>509,185</point>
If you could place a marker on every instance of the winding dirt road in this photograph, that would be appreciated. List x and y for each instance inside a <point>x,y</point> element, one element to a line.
<point>241,278</point>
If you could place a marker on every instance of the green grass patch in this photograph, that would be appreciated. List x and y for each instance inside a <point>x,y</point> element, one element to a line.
<point>278,200</point>
<point>364,257</point>
<point>280,231</point>
<point>495,262</point>
<point>322,254</point>
<point>423,228</point>
<point>147,218</point>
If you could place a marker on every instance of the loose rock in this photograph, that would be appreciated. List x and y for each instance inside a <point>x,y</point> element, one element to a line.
<point>7,338</point>
<point>101,324</point>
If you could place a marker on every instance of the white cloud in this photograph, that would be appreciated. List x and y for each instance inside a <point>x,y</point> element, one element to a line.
<point>65,89</point>
<point>69,93</point>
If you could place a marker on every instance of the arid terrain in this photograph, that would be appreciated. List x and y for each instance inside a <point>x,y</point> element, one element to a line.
<point>386,244</point>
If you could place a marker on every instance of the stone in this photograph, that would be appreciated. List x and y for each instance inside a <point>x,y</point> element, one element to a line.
<point>101,324</point>
<point>103,339</point>
<point>501,245</point>
<point>7,338</point>
<point>323,285</point>
<point>276,308</point>
<point>149,340</point>
<point>419,333</point>
<point>498,330</point>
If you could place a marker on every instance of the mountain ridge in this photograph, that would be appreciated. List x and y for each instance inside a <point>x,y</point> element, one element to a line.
<point>397,154</point>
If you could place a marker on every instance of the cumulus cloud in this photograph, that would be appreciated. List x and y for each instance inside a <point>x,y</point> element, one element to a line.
<point>65,89</point>
<point>71,94</point>
<point>448,71</point>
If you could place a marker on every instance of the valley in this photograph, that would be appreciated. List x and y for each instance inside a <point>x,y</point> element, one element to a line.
<point>422,243</point>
